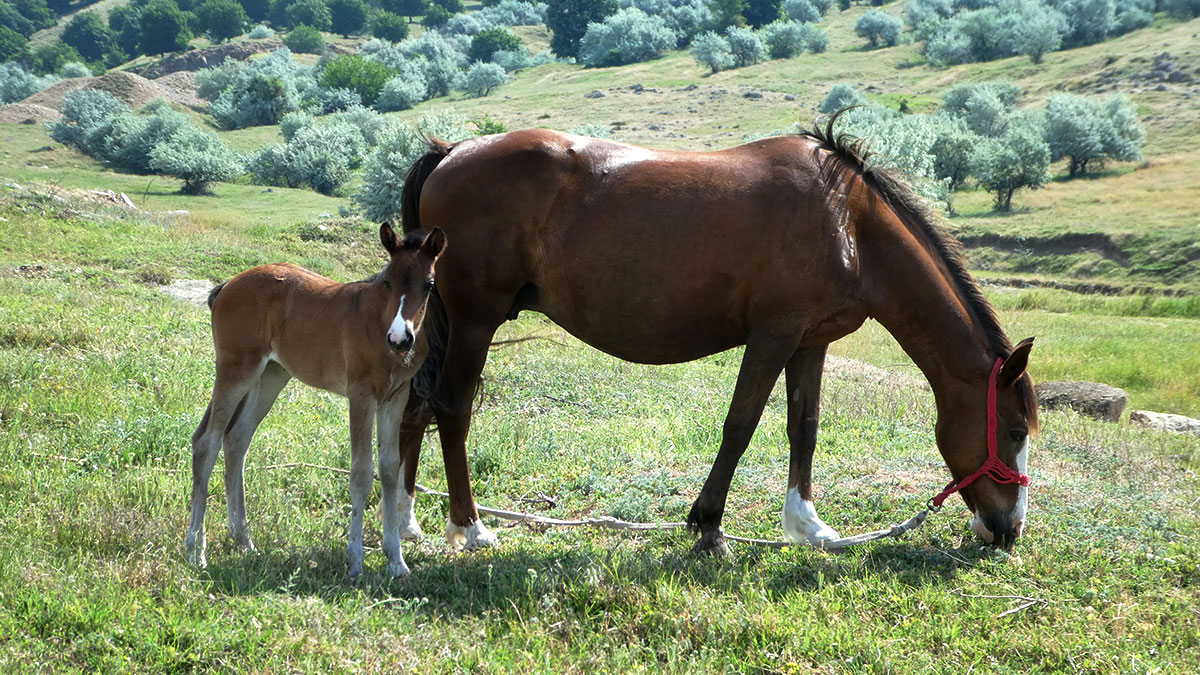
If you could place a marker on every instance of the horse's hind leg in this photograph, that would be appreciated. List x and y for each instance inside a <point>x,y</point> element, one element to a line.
<point>803,377</point>
<point>237,440</point>
<point>233,383</point>
<point>760,369</point>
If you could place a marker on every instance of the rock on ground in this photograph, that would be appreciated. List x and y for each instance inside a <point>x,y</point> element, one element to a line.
<point>191,291</point>
<point>1093,399</point>
<point>1177,424</point>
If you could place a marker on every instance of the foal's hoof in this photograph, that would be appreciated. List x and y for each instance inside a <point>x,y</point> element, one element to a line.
<point>194,553</point>
<point>244,545</point>
<point>398,568</point>
<point>712,544</point>
<point>469,538</point>
<point>411,530</point>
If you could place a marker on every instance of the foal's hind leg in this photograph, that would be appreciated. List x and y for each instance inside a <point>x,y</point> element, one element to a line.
<point>362,474</point>
<point>233,382</point>
<point>390,413</point>
<point>763,361</point>
<point>237,439</point>
<point>803,377</point>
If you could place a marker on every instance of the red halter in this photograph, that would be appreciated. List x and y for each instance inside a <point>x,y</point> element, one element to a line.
<point>993,467</point>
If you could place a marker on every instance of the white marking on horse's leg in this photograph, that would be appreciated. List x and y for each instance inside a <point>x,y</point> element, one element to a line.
<point>1019,513</point>
<point>409,527</point>
<point>800,521</point>
<point>400,328</point>
<point>474,536</point>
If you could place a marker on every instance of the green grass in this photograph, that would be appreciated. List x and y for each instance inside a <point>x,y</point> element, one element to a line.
<point>105,377</point>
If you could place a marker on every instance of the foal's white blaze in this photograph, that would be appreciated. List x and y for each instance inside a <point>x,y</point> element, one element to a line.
<point>400,328</point>
<point>476,535</point>
<point>800,521</point>
<point>409,527</point>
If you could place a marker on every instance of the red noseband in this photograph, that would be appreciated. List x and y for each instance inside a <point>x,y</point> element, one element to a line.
<point>993,467</point>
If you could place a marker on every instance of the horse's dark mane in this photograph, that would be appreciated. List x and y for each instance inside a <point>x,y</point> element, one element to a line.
<point>912,209</point>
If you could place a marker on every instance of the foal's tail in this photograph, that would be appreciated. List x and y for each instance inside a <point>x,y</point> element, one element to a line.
<point>212,295</point>
<point>435,326</point>
<point>410,199</point>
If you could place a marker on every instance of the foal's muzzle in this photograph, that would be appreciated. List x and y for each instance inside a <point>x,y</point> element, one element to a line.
<point>402,344</point>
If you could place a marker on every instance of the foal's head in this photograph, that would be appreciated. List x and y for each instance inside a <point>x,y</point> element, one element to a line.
<point>407,282</point>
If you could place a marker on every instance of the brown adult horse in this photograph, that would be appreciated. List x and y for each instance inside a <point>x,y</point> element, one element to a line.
<point>783,245</point>
<point>362,341</point>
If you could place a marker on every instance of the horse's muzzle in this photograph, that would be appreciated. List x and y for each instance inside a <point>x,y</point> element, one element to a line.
<point>998,531</point>
<point>402,345</point>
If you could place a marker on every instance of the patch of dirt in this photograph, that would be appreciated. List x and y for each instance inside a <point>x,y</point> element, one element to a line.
<point>851,369</point>
<point>208,57</point>
<point>181,87</point>
<point>1065,244</point>
<point>133,90</point>
<point>27,113</point>
<point>191,291</point>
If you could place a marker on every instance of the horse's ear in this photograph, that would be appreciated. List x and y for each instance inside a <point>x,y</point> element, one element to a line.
<point>434,243</point>
<point>387,237</point>
<point>1014,366</point>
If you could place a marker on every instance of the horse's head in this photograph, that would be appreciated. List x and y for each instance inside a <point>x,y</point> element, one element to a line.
<point>992,479</point>
<point>407,282</point>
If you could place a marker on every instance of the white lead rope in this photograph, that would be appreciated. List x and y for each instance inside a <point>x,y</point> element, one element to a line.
<point>609,523</point>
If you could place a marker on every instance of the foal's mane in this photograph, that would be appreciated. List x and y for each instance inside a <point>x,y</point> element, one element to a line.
<point>916,214</point>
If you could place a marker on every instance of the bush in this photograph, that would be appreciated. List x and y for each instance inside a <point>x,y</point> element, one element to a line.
<point>379,198</point>
<point>90,36</point>
<point>712,51</point>
<point>1087,134</point>
<point>17,84</point>
<point>842,95</point>
<point>452,6</point>
<point>337,98</point>
<point>83,111</point>
<point>221,19</point>
<point>305,40</point>
<point>568,22</point>
<point>318,156</point>
<point>390,27</point>
<point>125,23</point>
<point>405,8</point>
<point>347,16</point>
<point>1019,159</point>
<point>952,151</point>
<point>258,92</point>
<point>197,158</point>
<point>401,93</point>
<point>591,129</point>
<point>436,16</point>
<point>786,39</point>
<point>127,140</point>
<point>745,46</point>
<point>488,42</point>
<point>369,123</point>
<point>359,74</point>
<point>75,69</point>
<point>314,13</point>
<point>879,27</point>
<point>294,122</point>
<point>261,32</point>
<point>162,27</point>
<point>13,45</point>
<point>629,36</point>
<point>802,11</point>
<point>759,13</point>
<point>514,13</point>
<point>482,78</point>
<point>954,101</point>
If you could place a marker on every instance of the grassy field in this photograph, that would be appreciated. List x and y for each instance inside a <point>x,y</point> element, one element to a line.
<point>105,377</point>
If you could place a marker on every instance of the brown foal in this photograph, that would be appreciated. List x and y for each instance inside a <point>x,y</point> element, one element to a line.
<point>360,340</point>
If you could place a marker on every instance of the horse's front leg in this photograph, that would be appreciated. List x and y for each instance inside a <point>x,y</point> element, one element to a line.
<point>803,378</point>
<point>417,416</point>
<point>390,414</point>
<point>763,361</point>
<point>362,474</point>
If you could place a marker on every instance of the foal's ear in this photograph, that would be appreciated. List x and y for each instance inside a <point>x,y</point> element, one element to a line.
<point>434,243</point>
<point>1014,366</point>
<point>387,237</point>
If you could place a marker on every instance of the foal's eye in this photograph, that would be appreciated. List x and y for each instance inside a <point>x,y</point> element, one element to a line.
<point>387,284</point>
<point>429,285</point>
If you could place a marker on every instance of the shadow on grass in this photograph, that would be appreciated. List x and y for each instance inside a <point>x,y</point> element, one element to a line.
<point>587,574</point>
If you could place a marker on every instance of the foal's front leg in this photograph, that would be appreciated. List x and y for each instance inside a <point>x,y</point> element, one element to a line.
<point>390,413</point>
<point>362,474</point>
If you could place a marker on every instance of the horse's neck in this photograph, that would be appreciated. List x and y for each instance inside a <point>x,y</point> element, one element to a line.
<point>911,292</point>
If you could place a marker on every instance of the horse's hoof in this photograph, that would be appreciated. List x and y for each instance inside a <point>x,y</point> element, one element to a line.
<point>398,569</point>
<point>712,544</point>
<point>472,537</point>
<point>195,554</point>
<point>244,545</point>
<point>411,531</point>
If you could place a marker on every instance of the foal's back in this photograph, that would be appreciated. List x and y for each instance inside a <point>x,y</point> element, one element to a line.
<point>311,325</point>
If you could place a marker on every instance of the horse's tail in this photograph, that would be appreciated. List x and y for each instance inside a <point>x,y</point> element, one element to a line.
<point>410,201</point>
<point>212,295</point>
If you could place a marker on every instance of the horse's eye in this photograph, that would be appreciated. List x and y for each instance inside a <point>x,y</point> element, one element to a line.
<point>429,285</point>
<point>1017,435</point>
<point>387,284</point>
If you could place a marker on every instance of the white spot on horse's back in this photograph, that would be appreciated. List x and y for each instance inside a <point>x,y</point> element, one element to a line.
<point>801,523</point>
